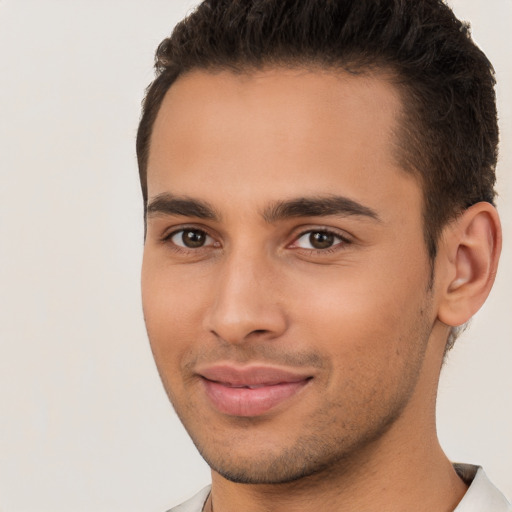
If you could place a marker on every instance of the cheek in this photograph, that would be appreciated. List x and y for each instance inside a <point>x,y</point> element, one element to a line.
<point>365,314</point>
<point>173,310</point>
<point>374,344</point>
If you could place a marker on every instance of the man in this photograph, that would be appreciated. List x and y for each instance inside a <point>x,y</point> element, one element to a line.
<point>318,180</point>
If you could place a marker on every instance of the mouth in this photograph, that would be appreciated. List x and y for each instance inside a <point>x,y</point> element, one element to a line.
<point>250,391</point>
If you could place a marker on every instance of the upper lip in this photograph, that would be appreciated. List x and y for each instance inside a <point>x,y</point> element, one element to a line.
<point>251,375</point>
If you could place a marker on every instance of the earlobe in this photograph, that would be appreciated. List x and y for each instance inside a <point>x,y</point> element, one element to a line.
<point>471,250</point>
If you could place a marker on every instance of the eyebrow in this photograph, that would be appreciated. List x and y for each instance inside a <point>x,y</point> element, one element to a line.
<point>317,207</point>
<point>168,204</point>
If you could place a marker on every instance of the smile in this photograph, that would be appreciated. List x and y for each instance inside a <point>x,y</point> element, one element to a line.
<point>252,391</point>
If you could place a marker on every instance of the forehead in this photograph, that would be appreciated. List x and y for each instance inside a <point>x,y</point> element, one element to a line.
<point>299,130</point>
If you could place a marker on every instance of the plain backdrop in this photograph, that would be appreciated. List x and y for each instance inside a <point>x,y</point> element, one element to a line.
<point>84,422</point>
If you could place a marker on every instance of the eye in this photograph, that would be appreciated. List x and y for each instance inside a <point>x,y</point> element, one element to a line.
<point>319,240</point>
<point>191,238</point>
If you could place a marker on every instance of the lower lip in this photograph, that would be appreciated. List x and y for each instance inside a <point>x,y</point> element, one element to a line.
<point>250,402</point>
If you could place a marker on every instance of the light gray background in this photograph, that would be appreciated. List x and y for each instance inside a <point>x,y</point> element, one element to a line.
<point>84,423</point>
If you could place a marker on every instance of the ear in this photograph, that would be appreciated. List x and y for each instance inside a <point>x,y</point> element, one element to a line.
<point>467,262</point>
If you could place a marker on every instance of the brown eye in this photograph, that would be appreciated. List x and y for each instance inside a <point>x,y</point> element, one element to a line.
<point>191,238</point>
<point>319,240</point>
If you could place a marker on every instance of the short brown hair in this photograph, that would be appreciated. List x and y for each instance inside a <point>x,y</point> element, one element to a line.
<point>449,134</point>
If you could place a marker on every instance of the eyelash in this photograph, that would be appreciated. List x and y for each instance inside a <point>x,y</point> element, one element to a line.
<point>343,241</point>
<point>167,239</point>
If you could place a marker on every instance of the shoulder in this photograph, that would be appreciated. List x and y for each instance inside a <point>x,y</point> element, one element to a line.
<point>194,504</point>
<point>482,495</point>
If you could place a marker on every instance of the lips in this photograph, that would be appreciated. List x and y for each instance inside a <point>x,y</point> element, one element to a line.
<point>250,391</point>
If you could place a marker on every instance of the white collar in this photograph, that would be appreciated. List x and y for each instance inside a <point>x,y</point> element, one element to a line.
<point>481,495</point>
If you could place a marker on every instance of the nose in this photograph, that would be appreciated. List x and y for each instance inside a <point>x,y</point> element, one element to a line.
<point>245,302</point>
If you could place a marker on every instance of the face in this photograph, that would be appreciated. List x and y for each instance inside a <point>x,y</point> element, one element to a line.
<point>285,276</point>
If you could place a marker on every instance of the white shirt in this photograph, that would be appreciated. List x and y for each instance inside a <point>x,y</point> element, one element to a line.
<point>481,495</point>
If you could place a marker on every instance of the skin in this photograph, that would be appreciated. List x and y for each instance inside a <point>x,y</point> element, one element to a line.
<point>357,316</point>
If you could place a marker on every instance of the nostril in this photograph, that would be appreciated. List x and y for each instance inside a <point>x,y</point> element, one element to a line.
<point>237,321</point>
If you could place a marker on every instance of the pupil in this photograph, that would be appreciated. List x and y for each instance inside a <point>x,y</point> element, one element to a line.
<point>321,240</point>
<point>193,238</point>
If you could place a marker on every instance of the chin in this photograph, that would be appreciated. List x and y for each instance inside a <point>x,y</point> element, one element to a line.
<point>280,470</point>
<point>307,458</point>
